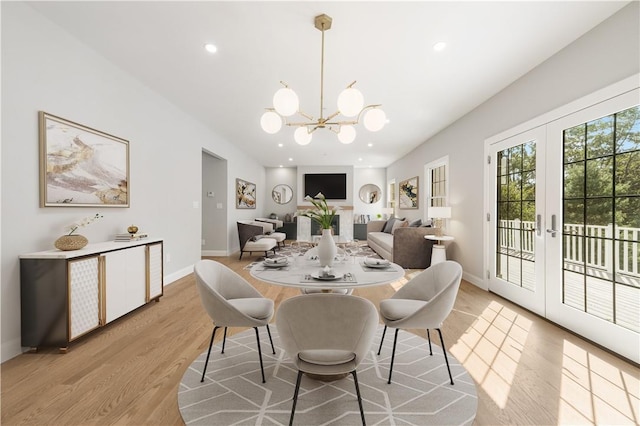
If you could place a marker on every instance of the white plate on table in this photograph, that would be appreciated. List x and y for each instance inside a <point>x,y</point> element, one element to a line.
<point>326,277</point>
<point>276,264</point>
<point>376,263</point>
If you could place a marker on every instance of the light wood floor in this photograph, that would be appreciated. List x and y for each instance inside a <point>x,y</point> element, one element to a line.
<point>527,371</point>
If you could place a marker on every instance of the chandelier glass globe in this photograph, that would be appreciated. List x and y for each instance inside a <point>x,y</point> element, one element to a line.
<point>350,102</point>
<point>285,101</point>
<point>271,122</point>
<point>302,136</point>
<point>347,134</point>
<point>374,119</point>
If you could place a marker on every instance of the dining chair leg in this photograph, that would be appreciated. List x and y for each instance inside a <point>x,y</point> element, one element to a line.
<point>260,354</point>
<point>295,397</point>
<point>204,370</point>
<point>224,339</point>
<point>393,354</point>
<point>444,351</point>
<point>429,339</point>
<point>241,252</point>
<point>355,380</point>
<point>271,340</point>
<point>382,339</point>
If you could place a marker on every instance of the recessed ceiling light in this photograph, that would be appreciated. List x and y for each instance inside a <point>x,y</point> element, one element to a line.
<point>369,145</point>
<point>290,159</point>
<point>439,46</point>
<point>280,165</point>
<point>359,159</point>
<point>280,145</point>
<point>211,48</point>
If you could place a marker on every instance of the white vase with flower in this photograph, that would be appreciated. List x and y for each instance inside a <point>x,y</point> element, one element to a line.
<point>323,215</point>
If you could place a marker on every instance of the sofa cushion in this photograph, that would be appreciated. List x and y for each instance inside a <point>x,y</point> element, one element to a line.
<point>388,226</point>
<point>263,244</point>
<point>382,239</point>
<point>415,223</point>
<point>398,224</point>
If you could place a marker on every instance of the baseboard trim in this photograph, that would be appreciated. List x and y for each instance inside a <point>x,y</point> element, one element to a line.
<point>11,349</point>
<point>214,253</point>
<point>477,281</point>
<point>168,279</point>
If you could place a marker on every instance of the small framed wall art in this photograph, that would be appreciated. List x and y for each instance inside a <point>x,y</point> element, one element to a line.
<point>408,193</point>
<point>245,194</point>
<point>81,166</point>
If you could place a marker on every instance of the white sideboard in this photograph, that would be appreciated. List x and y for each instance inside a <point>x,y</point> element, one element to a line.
<point>67,294</point>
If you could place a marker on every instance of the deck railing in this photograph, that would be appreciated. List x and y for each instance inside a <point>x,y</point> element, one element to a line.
<point>592,245</point>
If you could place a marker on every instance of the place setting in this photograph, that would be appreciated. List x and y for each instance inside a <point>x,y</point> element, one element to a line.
<point>370,264</point>
<point>328,274</point>
<point>280,263</point>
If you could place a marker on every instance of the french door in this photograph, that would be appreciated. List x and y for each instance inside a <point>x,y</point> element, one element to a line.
<point>564,234</point>
<point>516,191</point>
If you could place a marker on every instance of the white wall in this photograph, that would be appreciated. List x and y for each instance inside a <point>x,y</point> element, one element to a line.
<point>603,56</point>
<point>280,176</point>
<point>44,68</point>
<point>360,176</point>
<point>364,176</point>
<point>302,170</point>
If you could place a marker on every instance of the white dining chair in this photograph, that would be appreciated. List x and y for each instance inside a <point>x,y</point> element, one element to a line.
<point>326,334</point>
<point>231,301</point>
<point>423,302</point>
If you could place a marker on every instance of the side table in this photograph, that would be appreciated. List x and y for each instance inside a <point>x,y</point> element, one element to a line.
<point>439,253</point>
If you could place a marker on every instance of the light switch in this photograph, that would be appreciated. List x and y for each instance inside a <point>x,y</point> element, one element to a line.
<point>196,204</point>
<point>219,205</point>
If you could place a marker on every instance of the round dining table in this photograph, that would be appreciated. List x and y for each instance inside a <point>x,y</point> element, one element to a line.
<point>306,273</point>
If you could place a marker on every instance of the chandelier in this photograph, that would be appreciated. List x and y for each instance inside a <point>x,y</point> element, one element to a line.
<point>350,105</point>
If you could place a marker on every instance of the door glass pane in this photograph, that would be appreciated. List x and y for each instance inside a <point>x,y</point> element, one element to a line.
<point>438,185</point>
<point>516,191</point>
<point>601,229</point>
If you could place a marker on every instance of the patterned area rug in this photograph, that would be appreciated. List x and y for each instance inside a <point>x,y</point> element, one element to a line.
<point>233,392</point>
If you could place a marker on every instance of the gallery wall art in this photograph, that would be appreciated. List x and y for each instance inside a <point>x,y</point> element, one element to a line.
<point>245,194</point>
<point>408,193</point>
<point>81,166</point>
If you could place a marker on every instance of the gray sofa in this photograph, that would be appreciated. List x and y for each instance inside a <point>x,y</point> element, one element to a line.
<point>406,246</point>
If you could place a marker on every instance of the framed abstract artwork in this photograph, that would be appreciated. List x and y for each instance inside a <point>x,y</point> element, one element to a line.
<point>81,166</point>
<point>245,194</point>
<point>408,193</point>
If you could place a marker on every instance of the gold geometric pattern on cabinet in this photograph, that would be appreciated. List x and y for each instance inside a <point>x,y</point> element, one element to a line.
<point>84,296</point>
<point>155,270</point>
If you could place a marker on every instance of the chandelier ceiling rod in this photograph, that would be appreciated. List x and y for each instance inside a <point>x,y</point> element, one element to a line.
<point>322,20</point>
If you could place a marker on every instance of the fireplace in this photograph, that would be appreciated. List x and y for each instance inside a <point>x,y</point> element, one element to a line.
<point>342,224</point>
<point>335,226</point>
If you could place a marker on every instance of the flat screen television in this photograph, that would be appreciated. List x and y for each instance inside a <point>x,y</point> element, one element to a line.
<point>332,185</point>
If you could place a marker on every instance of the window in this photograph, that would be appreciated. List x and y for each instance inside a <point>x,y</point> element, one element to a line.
<point>437,178</point>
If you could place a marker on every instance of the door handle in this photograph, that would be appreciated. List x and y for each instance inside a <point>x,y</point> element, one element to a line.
<point>553,231</point>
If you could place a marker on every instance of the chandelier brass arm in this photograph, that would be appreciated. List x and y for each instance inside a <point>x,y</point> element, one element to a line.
<point>350,104</point>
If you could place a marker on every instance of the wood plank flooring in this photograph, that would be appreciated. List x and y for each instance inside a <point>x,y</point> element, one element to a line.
<point>527,370</point>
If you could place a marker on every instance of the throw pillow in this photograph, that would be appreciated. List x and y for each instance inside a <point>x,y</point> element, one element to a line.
<point>398,224</point>
<point>416,223</point>
<point>389,225</point>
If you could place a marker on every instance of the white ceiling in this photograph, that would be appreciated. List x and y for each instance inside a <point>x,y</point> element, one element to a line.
<point>385,46</point>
